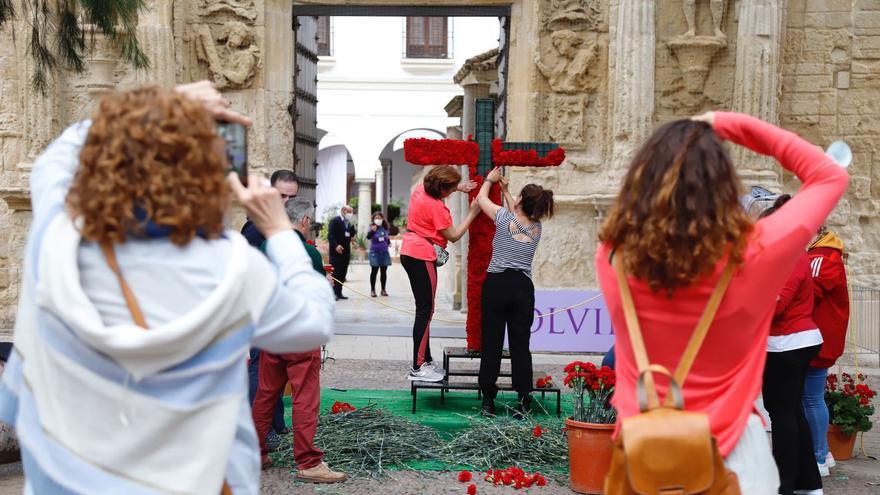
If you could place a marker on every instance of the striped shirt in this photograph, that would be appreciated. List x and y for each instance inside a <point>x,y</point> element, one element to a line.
<point>509,253</point>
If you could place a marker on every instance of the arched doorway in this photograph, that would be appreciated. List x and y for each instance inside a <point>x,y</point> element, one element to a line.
<point>397,176</point>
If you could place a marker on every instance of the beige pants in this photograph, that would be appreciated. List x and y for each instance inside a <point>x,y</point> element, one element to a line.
<point>752,461</point>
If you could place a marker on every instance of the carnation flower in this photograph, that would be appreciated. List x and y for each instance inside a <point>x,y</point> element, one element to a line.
<point>472,489</point>
<point>464,476</point>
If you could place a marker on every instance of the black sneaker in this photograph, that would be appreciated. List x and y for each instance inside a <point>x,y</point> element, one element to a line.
<point>523,407</point>
<point>341,298</point>
<point>488,409</point>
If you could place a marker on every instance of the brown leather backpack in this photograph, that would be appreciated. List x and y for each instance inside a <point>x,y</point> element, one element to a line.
<point>666,450</point>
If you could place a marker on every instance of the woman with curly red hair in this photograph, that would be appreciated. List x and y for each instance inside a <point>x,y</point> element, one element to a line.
<point>674,227</point>
<point>137,307</point>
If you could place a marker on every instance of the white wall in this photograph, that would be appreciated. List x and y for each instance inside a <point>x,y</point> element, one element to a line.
<point>368,93</point>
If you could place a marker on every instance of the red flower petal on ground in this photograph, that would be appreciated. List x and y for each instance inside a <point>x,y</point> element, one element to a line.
<point>538,431</point>
<point>465,476</point>
<point>472,489</point>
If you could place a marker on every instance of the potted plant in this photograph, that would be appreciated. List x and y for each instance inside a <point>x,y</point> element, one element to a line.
<point>850,409</point>
<point>360,243</point>
<point>590,426</point>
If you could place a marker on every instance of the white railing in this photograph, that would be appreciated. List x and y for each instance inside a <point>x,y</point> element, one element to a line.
<point>863,334</point>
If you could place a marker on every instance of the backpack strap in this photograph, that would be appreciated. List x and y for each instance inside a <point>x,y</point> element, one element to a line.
<point>136,314</point>
<point>650,399</point>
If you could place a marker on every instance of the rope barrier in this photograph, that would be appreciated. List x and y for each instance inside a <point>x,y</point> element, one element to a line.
<point>454,322</point>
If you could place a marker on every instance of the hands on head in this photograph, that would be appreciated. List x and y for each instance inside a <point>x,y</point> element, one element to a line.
<point>467,186</point>
<point>495,175</point>
<point>708,117</point>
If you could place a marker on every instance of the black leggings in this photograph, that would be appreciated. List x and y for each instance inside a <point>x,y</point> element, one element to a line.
<point>792,441</point>
<point>508,300</point>
<point>384,277</point>
<point>423,280</point>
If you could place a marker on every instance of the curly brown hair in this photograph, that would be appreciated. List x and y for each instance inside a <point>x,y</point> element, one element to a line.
<point>678,212</point>
<point>156,153</point>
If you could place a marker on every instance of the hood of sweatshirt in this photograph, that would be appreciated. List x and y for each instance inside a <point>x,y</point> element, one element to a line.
<point>829,240</point>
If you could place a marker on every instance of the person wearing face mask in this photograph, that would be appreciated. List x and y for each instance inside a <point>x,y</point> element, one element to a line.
<point>380,260</point>
<point>340,233</point>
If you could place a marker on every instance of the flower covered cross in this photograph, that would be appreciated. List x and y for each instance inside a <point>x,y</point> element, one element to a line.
<point>481,155</point>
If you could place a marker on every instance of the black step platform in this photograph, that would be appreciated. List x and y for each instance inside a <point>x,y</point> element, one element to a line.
<point>450,353</point>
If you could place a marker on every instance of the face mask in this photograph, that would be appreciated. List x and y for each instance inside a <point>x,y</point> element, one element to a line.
<point>378,222</point>
<point>348,217</point>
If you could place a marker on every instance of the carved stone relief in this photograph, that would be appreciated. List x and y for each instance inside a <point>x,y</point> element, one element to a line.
<point>233,56</point>
<point>568,56</point>
<point>226,42</point>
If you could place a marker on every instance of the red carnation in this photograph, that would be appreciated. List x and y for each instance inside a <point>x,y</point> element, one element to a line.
<point>472,489</point>
<point>541,480</point>
<point>465,476</point>
<point>538,431</point>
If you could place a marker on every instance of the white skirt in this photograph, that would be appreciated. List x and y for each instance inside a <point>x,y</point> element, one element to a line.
<point>752,461</point>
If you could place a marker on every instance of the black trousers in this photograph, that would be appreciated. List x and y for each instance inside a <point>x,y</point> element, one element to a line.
<point>508,300</point>
<point>384,276</point>
<point>423,280</point>
<point>340,270</point>
<point>792,441</point>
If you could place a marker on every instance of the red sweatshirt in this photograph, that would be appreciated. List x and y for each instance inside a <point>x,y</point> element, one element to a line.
<point>831,305</point>
<point>726,377</point>
<point>794,308</point>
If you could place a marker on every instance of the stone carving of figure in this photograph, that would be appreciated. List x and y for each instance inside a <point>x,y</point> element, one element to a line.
<point>242,8</point>
<point>690,15</point>
<point>234,62</point>
<point>567,126</point>
<point>568,63</point>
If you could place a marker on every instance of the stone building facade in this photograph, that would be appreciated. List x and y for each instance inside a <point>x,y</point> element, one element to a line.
<point>593,75</point>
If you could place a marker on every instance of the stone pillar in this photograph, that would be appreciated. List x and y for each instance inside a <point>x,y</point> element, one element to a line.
<point>632,79</point>
<point>156,34</point>
<point>756,84</point>
<point>365,204</point>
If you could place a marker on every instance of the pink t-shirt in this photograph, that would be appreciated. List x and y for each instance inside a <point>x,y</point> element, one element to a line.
<point>426,218</point>
<point>726,376</point>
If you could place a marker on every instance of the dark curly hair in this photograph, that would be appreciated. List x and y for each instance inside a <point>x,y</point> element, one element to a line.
<point>150,152</point>
<point>678,212</point>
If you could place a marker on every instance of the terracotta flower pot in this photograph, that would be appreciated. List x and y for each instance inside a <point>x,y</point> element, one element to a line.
<point>840,444</point>
<point>589,455</point>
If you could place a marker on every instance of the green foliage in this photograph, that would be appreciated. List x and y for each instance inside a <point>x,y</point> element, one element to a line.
<point>360,241</point>
<point>849,403</point>
<point>57,37</point>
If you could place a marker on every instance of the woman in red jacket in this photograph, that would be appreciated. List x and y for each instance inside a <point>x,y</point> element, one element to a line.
<point>831,314</point>
<point>676,224</point>
<point>794,341</point>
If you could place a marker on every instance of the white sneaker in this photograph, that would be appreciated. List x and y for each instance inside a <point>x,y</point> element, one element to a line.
<point>809,492</point>
<point>425,373</point>
<point>823,469</point>
<point>829,461</point>
<point>438,367</point>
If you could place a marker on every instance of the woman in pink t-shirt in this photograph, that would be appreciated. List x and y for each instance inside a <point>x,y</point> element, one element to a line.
<point>675,225</point>
<point>429,229</point>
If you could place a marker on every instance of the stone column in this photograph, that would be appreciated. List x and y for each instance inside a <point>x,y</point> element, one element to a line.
<point>631,54</point>
<point>756,84</point>
<point>156,34</point>
<point>365,204</point>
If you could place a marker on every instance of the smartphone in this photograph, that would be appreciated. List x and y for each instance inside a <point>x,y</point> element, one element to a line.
<point>235,136</point>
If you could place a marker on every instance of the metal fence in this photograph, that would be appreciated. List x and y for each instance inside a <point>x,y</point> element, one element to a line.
<point>863,335</point>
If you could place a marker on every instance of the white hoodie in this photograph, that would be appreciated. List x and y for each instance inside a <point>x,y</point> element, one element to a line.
<point>99,404</point>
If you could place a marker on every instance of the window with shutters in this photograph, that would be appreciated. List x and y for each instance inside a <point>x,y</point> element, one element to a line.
<point>325,36</point>
<point>426,37</point>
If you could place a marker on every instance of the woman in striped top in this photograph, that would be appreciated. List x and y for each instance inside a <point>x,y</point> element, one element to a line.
<point>508,293</point>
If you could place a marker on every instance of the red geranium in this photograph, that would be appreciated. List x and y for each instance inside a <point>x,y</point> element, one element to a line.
<point>849,402</point>
<point>465,476</point>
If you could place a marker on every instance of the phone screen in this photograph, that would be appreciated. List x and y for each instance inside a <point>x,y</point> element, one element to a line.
<point>235,136</point>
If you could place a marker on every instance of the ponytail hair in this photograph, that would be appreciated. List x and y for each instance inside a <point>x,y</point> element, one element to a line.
<point>536,202</point>
<point>781,200</point>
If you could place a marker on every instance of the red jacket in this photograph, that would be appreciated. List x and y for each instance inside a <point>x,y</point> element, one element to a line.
<point>831,304</point>
<point>794,306</point>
